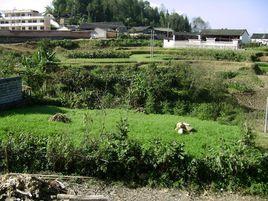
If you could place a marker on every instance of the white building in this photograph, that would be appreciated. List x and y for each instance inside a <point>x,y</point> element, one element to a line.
<point>26,20</point>
<point>210,38</point>
<point>261,38</point>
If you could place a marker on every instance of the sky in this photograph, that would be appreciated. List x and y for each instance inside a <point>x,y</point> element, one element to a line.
<point>249,14</point>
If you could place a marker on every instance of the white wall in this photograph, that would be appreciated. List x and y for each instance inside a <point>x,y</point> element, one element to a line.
<point>201,44</point>
<point>262,41</point>
<point>99,33</point>
<point>245,38</point>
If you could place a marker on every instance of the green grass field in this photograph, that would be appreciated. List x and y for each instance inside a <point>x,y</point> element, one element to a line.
<point>142,127</point>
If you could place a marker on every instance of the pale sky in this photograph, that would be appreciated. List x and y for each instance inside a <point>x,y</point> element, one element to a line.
<point>249,14</point>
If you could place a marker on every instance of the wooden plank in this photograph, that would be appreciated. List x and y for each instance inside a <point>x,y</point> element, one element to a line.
<point>82,198</point>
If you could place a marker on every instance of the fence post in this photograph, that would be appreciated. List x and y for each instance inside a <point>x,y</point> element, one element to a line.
<point>266,117</point>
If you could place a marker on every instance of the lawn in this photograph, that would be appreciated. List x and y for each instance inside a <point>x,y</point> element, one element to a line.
<point>142,127</point>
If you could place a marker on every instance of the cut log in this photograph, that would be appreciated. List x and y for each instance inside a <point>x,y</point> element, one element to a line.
<point>82,198</point>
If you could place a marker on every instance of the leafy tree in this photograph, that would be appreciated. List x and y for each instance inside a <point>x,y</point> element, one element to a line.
<point>130,12</point>
<point>198,24</point>
<point>39,66</point>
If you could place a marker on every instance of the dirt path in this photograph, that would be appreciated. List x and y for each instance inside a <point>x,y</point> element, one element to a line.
<point>121,193</point>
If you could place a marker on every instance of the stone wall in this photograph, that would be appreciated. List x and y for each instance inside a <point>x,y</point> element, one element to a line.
<point>7,36</point>
<point>10,91</point>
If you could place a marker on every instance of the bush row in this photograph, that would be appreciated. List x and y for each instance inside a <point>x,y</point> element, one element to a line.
<point>115,157</point>
<point>99,54</point>
<point>213,54</point>
<point>125,43</point>
<point>66,44</point>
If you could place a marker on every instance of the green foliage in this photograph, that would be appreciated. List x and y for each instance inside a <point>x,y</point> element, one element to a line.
<point>240,87</point>
<point>132,13</point>
<point>229,74</point>
<point>142,127</point>
<point>9,62</point>
<point>66,44</point>
<point>219,55</point>
<point>206,111</point>
<point>128,42</point>
<point>38,67</point>
<point>116,157</point>
<point>156,89</point>
<point>99,54</point>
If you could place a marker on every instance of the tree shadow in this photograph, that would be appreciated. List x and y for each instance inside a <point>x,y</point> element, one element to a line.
<point>34,109</point>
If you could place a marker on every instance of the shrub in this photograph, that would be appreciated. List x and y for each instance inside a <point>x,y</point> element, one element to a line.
<point>229,74</point>
<point>129,42</point>
<point>114,156</point>
<point>206,111</point>
<point>99,54</point>
<point>66,44</point>
<point>181,108</point>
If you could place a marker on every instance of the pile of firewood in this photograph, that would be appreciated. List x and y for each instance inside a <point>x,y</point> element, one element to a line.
<point>29,187</point>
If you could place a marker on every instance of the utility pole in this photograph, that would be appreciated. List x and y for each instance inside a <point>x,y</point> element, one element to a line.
<point>266,117</point>
<point>152,44</point>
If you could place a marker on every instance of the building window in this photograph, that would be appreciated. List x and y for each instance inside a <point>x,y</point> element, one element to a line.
<point>34,28</point>
<point>22,21</point>
<point>42,21</point>
<point>13,28</point>
<point>42,28</point>
<point>34,21</point>
<point>23,14</point>
<point>22,28</point>
<point>30,21</point>
<point>30,28</point>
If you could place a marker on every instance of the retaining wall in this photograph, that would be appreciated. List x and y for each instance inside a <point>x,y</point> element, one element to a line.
<point>22,36</point>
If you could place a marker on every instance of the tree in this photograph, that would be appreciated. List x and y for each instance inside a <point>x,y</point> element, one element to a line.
<point>198,24</point>
<point>39,67</point>
<point>130,12</point>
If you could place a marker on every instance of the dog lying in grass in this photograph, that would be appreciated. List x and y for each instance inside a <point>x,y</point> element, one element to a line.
<point>182,127</point>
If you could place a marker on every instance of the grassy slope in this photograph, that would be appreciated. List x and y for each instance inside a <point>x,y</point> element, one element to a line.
<point>142,127</point>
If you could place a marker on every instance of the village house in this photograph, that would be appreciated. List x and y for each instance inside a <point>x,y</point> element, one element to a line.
<point>118,27</point>
<point>209,38</point>
<point>140,30</point>
<point>261,38</point>
<point>159,32</point>
<point>163,33</point>
<point>226,35</point>
<point>26,20</point>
